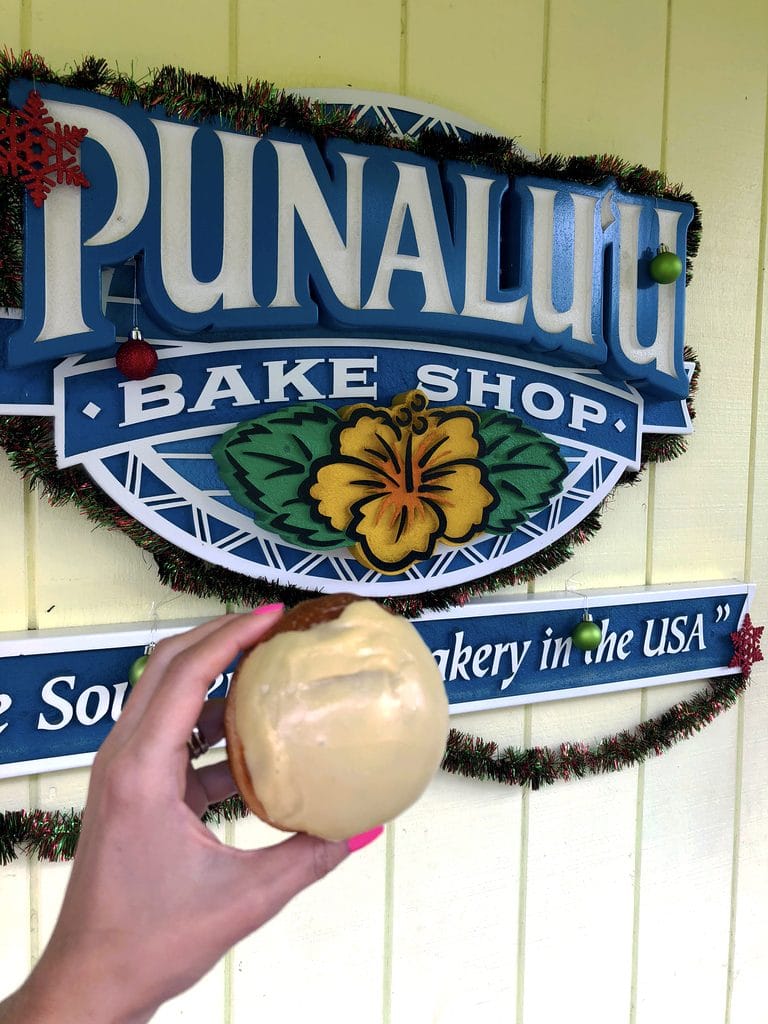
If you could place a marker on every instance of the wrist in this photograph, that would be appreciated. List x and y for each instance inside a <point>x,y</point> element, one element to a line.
<point>79,993</point>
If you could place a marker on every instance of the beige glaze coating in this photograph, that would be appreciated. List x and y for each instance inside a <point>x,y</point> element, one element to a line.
<point>342,725</point>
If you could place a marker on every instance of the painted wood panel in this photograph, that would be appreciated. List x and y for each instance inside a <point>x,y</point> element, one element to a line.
<point>685,880</point>
<point>580,891</point>
<point>454,895</point>
<point>100,576</point>
<point>321,958</point>
<point>598,101</point>
<point>717,65</point>
<point>482,59</point>
<point>333,44</point>
<point>699,518</point>
<point>750,912</point>
<point>579,905</point>
<point>615,555</point>
<point>715,145</point>
<point>13,558</point>
<point>582,836</point>
<point>186,33</point>
<point>10,19</point>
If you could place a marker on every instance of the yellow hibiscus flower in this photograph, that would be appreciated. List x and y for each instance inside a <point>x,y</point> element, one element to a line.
<point>402,479</point>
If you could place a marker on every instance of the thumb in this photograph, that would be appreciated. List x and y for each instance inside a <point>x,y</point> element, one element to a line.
<point>287,868</point>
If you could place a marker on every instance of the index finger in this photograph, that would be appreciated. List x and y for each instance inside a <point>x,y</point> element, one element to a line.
<point>150,679</point>
<point>174,707</point>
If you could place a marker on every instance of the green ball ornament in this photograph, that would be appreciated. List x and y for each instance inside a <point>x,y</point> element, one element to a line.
<point>137,668</point>
<point>665,266</point>
<point>587,634</point>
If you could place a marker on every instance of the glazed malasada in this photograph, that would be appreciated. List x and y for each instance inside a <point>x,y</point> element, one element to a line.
<point>337,719</point>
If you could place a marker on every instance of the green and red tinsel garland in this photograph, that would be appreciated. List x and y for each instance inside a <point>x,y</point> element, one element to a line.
<point>52,835</point>
<point>254,108</point>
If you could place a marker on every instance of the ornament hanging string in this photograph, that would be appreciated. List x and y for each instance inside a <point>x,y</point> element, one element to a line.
<point>136,359</point>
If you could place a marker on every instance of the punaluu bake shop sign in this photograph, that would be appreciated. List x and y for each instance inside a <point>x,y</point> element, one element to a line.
<point>370,371</point>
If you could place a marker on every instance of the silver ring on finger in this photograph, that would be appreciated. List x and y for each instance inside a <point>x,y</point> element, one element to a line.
<point>197,744</point>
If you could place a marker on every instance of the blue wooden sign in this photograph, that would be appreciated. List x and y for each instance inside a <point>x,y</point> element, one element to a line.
<point>277,274</point>
<point>61,690</point>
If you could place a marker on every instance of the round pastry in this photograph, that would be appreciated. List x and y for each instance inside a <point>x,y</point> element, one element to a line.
<point>337,719</point>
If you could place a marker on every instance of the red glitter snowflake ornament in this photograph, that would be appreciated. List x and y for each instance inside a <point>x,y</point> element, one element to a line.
<point>38,150</point>
<point>746,647</point>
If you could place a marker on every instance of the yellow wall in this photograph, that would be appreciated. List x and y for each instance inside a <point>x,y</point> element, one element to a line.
<point>640,897</point>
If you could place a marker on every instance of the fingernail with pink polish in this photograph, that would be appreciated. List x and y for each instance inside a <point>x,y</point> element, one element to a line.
<point>265,609</point>
<point>358,842</point>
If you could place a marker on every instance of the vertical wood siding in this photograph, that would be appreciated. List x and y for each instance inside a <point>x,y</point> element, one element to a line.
<point>635,898</point>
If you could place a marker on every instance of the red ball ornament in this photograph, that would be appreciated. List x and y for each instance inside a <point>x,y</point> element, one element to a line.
<point>136,359</point>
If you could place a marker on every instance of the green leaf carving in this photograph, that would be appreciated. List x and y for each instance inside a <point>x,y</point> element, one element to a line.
<point>264,461</point>
<point>525,468</point>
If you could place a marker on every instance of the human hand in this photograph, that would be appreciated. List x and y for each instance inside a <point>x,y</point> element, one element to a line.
<point>155,899</point>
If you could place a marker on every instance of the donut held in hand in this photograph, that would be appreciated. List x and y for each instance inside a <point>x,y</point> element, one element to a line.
<point>337,719</point>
